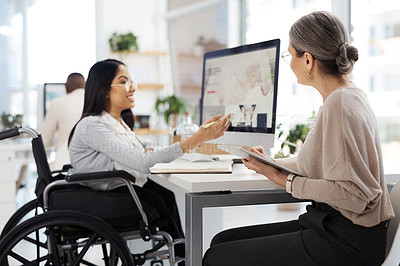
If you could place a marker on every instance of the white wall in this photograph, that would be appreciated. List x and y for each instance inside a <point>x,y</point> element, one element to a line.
<point>145,20</point>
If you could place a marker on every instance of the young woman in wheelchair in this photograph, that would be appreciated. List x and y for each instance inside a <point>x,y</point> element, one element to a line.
<point>103,140</point>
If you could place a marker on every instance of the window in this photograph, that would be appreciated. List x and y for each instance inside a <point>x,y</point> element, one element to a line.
<point>196,27</point>
<point>270,19</point>
<point>379,62</point>
<point>56,39</point>
<point>375,32</point>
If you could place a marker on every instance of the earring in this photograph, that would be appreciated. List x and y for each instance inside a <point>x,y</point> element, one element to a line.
<point>309,73</point>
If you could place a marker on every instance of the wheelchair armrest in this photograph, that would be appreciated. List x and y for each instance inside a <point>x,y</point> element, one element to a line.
<point>104,175</point>
<point>100,175</point>
<point>64,169</point>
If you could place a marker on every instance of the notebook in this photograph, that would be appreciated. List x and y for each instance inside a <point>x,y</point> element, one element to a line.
<point>199,157</point>
<point>192,167</point>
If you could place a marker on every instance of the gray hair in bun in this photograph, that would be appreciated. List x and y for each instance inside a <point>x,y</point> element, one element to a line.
<point>323,35</point>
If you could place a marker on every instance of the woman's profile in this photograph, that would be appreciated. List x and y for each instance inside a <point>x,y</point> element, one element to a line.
<point>103,140</point>
<point>340,166</point>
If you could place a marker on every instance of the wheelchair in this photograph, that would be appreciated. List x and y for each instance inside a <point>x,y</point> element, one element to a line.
<point>71,224</point>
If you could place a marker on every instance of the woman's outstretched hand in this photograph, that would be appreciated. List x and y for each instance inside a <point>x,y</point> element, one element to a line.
<point>214,127</point>
<point>211,129</point>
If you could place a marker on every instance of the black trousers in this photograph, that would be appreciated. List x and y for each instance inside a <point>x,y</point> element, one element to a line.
<point>163,200</point>
<point>321,236</point>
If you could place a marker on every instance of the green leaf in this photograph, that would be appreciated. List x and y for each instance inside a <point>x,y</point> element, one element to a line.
<point>170,105</point>
<point>123,42</point>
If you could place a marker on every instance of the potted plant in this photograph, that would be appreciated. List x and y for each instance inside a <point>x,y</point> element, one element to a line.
<point>123,42</point>
<point>10,121</point>
<point>295,137</point>
<point>170,107</point>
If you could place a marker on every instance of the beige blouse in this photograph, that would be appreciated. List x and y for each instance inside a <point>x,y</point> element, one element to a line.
<point>341,160</point>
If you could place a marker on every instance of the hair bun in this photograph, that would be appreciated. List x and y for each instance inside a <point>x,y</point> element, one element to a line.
<point>348,55</point>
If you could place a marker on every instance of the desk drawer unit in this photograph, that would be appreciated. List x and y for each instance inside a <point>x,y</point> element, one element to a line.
<point>7,186</point>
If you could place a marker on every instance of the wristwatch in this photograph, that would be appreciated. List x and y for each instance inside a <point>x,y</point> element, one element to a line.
<point>289,180</point>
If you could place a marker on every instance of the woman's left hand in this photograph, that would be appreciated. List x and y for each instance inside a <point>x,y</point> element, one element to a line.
<point>268,171</point>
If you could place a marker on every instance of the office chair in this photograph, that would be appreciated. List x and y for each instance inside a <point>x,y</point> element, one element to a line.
<point>393,232</point>
<point>75,221</point>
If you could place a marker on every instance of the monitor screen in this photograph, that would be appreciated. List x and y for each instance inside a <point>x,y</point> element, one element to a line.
<point>46,93</point>
<point>243,81</point>
<point>51,91</point>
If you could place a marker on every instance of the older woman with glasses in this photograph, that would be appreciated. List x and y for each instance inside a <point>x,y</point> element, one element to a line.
<point>340,164</point>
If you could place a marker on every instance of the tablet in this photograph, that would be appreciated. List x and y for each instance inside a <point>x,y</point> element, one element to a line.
<point>243,153</point>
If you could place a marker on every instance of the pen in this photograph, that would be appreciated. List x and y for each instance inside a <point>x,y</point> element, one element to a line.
<point>211,123</point>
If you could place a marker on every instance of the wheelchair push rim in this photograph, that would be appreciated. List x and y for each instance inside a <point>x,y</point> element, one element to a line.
<point>27,211</point>
<point>63,238</point>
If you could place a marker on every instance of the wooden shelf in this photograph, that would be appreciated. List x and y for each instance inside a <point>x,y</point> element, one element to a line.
<point>151,86</point>
<point>150,53</point>
<point>190,87</point>
<point>148,131</point>
<point>146,86</point>
<point>190,55</point>
<point>153,53</point>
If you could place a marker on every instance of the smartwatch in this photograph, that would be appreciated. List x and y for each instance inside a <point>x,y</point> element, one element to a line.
<point>289,180</point>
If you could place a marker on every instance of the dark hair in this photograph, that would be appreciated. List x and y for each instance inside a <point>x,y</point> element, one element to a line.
<point>74,81</point>
<point>323,35</point>
<point>100,77</point>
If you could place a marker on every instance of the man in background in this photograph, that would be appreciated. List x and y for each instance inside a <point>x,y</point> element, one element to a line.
<point>61,117</point>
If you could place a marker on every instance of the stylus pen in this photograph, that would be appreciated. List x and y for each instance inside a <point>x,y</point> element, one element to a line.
<point>211,123</point>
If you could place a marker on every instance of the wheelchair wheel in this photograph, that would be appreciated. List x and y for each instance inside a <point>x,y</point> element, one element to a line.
<point>24,213</point>
<point>64,238</point>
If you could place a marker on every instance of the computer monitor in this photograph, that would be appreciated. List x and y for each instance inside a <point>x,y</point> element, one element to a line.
<point>47,92</point>
<point>50,92</point>
<point>243,81</point>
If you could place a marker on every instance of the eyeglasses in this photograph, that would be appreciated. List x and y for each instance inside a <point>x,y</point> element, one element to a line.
<point>287,57</point>
<point>128,85</point>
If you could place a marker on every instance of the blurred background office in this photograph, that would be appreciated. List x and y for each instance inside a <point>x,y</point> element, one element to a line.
<point>42,41</point>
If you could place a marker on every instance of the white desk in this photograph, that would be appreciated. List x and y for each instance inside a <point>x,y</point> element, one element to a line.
<point>242,187</point>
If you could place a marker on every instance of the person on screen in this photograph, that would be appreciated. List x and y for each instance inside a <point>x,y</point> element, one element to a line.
<point>61,117</point>
<point>340,165</point>
<point>103,140</point>
<point>247,115</point>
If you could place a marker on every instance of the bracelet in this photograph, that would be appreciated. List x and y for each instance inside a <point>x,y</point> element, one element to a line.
<point>289,181</point>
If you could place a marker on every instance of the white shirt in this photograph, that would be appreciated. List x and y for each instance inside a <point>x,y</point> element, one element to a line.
<point>61,117</point>
<point>125,134</point>
<point>97,145</point>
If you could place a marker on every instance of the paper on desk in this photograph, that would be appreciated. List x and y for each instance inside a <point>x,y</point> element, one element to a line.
<point>197,167</point>
<point>199,157</point>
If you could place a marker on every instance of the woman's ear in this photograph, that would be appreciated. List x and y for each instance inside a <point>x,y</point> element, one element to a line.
<point>309,62</point>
